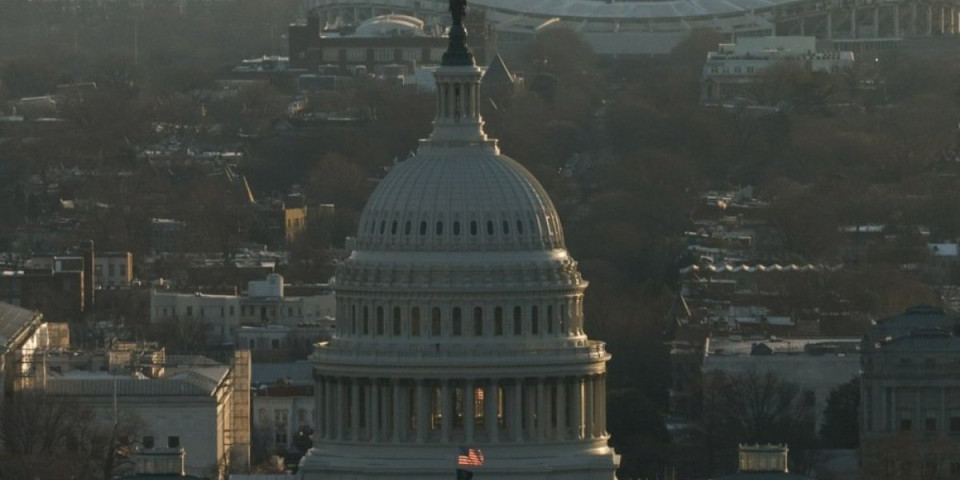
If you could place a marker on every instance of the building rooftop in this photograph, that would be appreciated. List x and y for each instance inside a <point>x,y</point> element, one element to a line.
<point>12,320</point>
<point>735,345</point>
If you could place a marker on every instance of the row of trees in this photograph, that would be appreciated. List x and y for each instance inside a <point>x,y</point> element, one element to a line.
<point>52,437</point>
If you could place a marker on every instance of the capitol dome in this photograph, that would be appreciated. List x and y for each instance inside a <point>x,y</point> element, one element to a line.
<point>459,321</point>
<point>477,200</point>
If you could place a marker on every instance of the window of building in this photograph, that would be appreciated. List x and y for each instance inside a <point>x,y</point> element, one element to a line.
<point>148,441</point>
<point>423,228</point>
<point>478,321</point>
<point>457,322</point>
<point>275,344</point>
<point>534,321</point>
<point>414,322</point>
<point>489,227</point>
<point>380,321</point>
<point>232,311</point>
<point>173,441</point>
<point>281,436</point>
<point>456,227</point>
<point>473,227</point>
<point>253,344</point>
<point>189,311</point>
<point>549,319</point>
<point>439,228</point>
<point>954,424</point>
<point>498,321</point>
<point>930,424</point>
<point>905,424</point>
<point>517,321</point>
<point>436,324</point>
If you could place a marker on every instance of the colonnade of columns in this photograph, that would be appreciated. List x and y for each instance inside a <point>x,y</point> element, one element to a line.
<point>458,100</point>
<point>871,21</point>
<point>489,410</point>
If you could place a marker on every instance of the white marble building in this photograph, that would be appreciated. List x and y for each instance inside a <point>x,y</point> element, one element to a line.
<point>460,321</point>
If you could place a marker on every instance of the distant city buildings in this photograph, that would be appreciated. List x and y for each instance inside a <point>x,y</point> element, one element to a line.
<point>175,402</point>
<point>731,71</point>
<point>264,304</point>
<point>373,45</point>
<point>817,365</point>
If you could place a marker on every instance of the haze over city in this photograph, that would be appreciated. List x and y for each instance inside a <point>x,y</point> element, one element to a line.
<point>490,239</point>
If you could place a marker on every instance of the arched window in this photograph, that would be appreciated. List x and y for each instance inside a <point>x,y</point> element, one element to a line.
<point>435,322</point>
<point>478,321</point>
<point>456,227</point>
<point>379,321</point>
<point>519,227</point>
<point>473,227</point>
<point>415,321</point>
<point>406,228</point>
<point>506,227</point>
<point>498,321</point>
<point>383,225</point>
<point>393,228</point>
<point>563,318</point>
<point>423,227</point>
<point>439,228</point>
<point>457,322</point>
<point>489,227</point>
<point>397,328</point>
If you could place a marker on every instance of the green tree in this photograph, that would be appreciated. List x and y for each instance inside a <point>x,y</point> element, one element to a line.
<point>841,426</point>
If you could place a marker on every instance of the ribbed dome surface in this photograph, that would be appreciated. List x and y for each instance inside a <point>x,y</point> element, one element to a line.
<point>459,199</point>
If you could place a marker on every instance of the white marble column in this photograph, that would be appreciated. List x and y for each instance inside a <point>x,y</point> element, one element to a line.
<point>318,404</point>
<point>515,410</point>
<point>530,411</point>
<point>543,410</point>
<point>562,427</point>
<point>602,406</point>
<point>374,420</point>
<point>354,410</point>
<point>469,411</point>
<point>397,411</point>
<point>576,416</point>
<point>422,413</point>
<point>385,432</point>
<point>588,430</point>
<point>491,401</point>
<point>446,405</point>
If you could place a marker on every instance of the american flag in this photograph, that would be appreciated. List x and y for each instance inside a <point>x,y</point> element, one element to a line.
<point>472,457</point>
